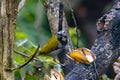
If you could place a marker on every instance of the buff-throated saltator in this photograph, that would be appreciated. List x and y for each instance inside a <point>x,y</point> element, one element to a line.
<point>56,41</point>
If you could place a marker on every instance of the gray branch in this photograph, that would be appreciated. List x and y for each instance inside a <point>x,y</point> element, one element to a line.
<point>53,17</point>
<point>106,47</point>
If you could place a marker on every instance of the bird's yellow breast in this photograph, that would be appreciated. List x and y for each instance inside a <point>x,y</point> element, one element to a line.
<point>51,45</point>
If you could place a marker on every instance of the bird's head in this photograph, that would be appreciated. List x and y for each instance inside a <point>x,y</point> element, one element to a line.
<point>62,37</point>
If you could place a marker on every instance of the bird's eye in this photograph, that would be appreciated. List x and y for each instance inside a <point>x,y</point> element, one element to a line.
<point>61,33</point>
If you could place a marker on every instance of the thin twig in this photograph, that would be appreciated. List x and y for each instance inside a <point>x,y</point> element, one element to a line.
<point>24,55</point>
<point>61,7</point>
<point>97,74</point>
<point>77,30</point>
<point>12,69</point>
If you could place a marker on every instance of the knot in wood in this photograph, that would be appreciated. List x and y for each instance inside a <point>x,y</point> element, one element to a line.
<point>104,22</point>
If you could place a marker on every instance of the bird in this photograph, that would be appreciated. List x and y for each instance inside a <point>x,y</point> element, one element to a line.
<point>54,75</point>
<point>83,55</point>
<point>55,42</point>
<point>52,47</point>
<point>59,39</point>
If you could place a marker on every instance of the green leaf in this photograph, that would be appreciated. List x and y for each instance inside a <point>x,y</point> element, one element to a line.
<point>18,75</point>
<point>19,59</point>
<point>20,35</point>
<point>21,42</point>
<point>73,36</point>
<point>29,77</point>
<point>104,77</point>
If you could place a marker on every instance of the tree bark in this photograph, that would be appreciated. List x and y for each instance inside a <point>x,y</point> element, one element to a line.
<point>53,17</point>
<point>7,37</point>
<point>106,46</point>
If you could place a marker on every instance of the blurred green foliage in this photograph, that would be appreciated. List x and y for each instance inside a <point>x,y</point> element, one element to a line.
<point>73,35</point>
<point>104,77</point>
<point>32,29</point>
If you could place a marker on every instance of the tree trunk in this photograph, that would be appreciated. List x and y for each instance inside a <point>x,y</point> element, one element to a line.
<point>53,17</point>
<point>7,36</point>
